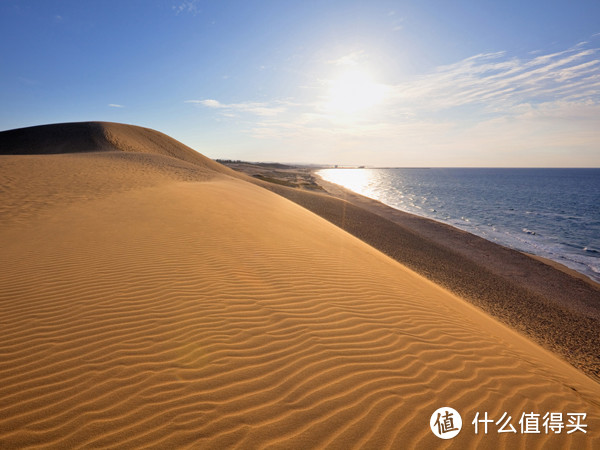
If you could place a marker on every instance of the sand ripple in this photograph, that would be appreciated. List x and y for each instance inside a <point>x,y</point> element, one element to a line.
<point>216,315</point>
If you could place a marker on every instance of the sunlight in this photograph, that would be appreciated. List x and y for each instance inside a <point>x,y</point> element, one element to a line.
<point>354,92</point>
<point>357,180</point>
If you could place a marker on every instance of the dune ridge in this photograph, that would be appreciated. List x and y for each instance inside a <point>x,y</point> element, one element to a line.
<point>184,308</point>
<point>88,137</point>
<point>89,160</point>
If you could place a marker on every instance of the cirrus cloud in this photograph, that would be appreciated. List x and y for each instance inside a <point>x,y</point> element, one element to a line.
<point>487,109</point>
<point>256,108</point>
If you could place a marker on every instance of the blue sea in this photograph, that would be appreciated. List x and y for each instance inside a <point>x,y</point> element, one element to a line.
<point>553,213</point>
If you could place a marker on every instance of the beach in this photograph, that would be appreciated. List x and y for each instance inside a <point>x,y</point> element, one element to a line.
<point>153,298</point>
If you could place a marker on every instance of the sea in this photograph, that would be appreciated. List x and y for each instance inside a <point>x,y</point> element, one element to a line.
<point>553,213</point>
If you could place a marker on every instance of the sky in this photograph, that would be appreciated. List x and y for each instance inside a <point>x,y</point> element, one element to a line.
<point>507,83</point>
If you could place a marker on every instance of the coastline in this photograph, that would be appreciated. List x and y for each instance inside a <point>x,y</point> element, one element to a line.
<point>555,308</point>
<point>551,212</point>
<point>565,269</point>
<point>388,212</point>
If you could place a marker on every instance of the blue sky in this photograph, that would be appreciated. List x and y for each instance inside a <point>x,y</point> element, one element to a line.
<point>392,83</point>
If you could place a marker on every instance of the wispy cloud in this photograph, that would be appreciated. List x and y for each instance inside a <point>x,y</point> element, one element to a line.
<point>487,106</point>
<point>256,108</point>
<point>187,6</point>
<point>28,81</point>
<point>115,105</point>
<point>498,83</point>
<point>208,102</point>
<point>351,59</point>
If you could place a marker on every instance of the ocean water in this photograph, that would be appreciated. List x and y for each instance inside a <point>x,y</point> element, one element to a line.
<point>553,213</point>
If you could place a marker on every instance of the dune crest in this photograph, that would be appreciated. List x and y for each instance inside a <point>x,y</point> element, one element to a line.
<point>85,137</point>
<point>49,166</point>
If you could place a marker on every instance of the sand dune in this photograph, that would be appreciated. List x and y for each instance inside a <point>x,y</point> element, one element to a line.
<point>84,137</point>
<point>147,302</point>
<point>557,310</point>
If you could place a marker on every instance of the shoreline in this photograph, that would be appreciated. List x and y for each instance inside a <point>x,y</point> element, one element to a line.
<point>573,256</point>
<point>345,193</point>
<point>571,272</point>
<point>554,307</point>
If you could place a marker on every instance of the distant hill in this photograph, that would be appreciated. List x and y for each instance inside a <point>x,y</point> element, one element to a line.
<point>85,137</point>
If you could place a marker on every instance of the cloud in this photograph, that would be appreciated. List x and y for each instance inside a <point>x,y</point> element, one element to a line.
<point>497,83</point>
<point>114,105</point>
<point>209,102</point>
<point>351,59</point>
<point>187,6</point>
<point>488,109</point>
<point>256,108</point>
<point>28,81</point>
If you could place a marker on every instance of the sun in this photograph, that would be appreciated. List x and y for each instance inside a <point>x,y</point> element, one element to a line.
<point>354,91</point>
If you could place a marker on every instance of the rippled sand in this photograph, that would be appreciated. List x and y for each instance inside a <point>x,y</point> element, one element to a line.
<point>150,302</point>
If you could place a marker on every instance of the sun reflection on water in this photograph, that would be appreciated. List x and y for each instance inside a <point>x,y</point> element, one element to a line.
<point>357,180</point>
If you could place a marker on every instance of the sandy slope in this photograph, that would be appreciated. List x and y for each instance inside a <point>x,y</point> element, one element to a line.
<point>146,303</point>
<point>557,310</point>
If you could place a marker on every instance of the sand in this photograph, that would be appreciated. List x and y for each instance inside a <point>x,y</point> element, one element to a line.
<point>558,309</point>
<point>151,302</point>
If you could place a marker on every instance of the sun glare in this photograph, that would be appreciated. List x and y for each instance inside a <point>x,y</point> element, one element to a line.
<point>354,92</point>
<point>357,180</point>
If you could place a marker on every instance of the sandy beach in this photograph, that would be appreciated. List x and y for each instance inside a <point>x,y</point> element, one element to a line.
<point>153,298</point>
